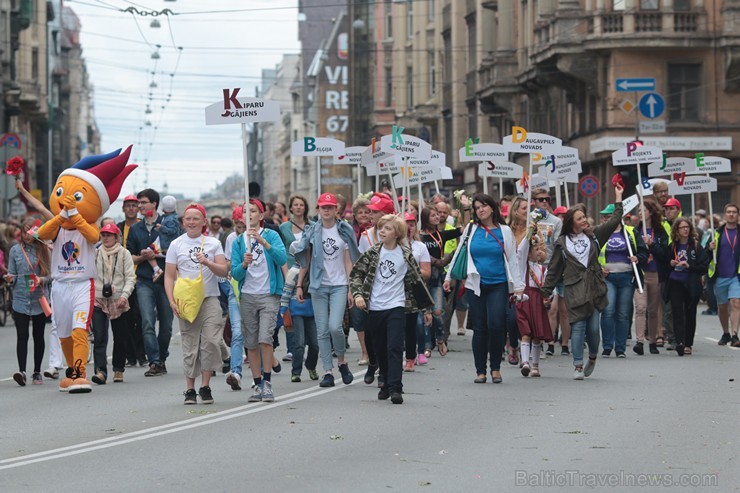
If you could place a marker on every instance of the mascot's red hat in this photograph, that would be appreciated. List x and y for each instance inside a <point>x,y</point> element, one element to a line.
<point>105,173</point>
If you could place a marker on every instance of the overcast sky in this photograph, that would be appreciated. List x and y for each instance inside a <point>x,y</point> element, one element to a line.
<point>220,49</point>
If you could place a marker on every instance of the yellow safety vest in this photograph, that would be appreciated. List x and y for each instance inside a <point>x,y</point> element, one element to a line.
<point>631,232</point>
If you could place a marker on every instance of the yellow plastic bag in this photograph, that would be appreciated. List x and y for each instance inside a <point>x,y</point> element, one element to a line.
<point>189,294</point>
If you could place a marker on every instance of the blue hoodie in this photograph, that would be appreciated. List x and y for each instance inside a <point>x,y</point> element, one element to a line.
<point>275,256</point>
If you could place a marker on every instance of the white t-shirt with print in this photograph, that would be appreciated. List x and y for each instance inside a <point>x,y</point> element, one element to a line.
<point>420,252</point>
<point>388,287</point>
<point>579,246</point>
<point>333,247</point>
<point>229,243</point>
<point>182,253</point>
<point>257,279</point>
<point>366,240</point>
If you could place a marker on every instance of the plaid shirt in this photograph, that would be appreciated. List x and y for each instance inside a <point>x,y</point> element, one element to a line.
<point>362,277</point>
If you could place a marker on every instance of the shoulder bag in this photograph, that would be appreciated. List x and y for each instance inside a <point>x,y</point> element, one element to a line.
<point>190,293</point>
<point>459,269</point>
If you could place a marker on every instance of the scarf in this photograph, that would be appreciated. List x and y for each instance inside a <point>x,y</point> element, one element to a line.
<point>109,254</point>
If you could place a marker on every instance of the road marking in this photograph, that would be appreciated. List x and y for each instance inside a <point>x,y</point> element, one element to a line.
<point>156,431</point>
<point>727,346</point>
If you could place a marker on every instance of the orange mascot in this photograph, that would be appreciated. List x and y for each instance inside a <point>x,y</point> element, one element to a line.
<point>81,196</point>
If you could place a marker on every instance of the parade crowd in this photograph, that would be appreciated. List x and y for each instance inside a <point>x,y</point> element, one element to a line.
<point>522,276</point>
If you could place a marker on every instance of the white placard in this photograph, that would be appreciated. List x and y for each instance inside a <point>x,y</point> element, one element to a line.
<point>374,153</point>
<point>531,143</point>
<point>648,184</point>
<point>502,169</point>
<point>710,164</point>
<point>352,155</point>
<point>692,184</point>
<point>382,168</point>
<point>436,160</point>
<point>241,110</point>
<point>535,181</point>
<point>483,152</point>
<point>642,154</point>
<point>406,145</point>
<point>317,146</point>
<point>421,175</point>
<point>630,203</point>
<point>668,166</point>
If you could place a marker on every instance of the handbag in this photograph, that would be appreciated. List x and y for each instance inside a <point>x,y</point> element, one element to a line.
<point>43,301</point>
<point>190,293</point>
<point>304,309</point>
<point>421,295</point>
<point>459,269</point>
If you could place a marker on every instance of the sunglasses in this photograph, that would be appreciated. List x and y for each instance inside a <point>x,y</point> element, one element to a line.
<point>543,199</point>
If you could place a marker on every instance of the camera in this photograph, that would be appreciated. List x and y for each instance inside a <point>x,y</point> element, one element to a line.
<point>107,290</point>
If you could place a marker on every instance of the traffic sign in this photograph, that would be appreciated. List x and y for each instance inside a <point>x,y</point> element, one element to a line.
<point>627,106</point>
<point>588,186</point>
<point>635,84</point>
<point>652,127</point>
<point>652,105</point>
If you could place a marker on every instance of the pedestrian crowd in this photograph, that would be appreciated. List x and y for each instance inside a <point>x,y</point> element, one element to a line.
<point>519,274</point>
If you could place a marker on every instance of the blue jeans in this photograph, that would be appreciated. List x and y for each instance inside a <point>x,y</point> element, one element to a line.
<point>616,318</point>
<point>438,296</point>
<point>329,303</point>
<point>304,332</point>
<point>423,335</point>
<point>237,335</point>
<point>153,306</point>
<point>488,312</point>
<point>587,329</point>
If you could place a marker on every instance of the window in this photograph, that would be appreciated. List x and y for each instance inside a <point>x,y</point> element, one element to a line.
<point>683,92</point>
<point>649,4</point>
<point>388,87</point>
<point>472,121</point>
<point>472,46</point>
<point>410,21</point>
<point>410,87</point>
<point>35,64</point>
<point>618,5</point>
<point>431,5</point>
<point>681,5</point>
<point>432,73</point>
<point>388,21</point>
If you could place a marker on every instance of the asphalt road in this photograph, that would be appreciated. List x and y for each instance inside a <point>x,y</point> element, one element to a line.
<point>641,421</point>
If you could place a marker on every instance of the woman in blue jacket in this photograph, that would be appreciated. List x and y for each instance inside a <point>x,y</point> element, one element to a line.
<point>260,279</point>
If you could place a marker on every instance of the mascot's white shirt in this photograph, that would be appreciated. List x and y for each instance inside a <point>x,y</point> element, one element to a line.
<point>73,257</point>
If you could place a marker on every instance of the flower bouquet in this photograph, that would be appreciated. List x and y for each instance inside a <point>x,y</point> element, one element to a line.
<point>14,166</point>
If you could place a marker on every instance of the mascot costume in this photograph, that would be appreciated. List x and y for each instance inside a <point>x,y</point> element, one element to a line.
<point>82,194</point>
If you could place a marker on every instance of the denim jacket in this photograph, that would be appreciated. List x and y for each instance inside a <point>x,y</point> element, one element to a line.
<point>25,301</point>
<point>312,238</point>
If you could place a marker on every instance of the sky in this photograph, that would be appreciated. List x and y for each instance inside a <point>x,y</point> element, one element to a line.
<point>224,44</point>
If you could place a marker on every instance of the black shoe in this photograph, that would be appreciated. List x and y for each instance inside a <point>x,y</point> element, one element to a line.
<point>564,351</point>
<point>735,341</point>
<point>370,374</point>
<point>724,339</point>
<point>347,376</point>
<point>277,368</point>
<point>131,363</point>
<point>606,352</point>
<point>709,312</point>
<point>226,366</point>
<point>654,349</point>
<point>154,370</point>
<point>381,380</point>
<point>550,349</point>
<point>99,378</point>
<point>327,381</point>
<point>396,397</point>
<point>679,349</point>
<point>205,395</point>
<point>637,348</point>
<point>190,397</point>
<point>164,368</point>
<point>383,393</point>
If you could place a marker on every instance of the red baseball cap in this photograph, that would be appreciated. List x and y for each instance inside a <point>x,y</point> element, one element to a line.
<point>407,216</point>
<point>382,203</point>
<point>560,210</point>
<point>238,214</point>
<point>110,228</point>
<point>672,203</point>
<point>505,210</point>
<point>130,198</point>
<point>327,199</point>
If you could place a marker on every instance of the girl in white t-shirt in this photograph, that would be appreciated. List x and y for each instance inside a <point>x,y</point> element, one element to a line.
<point>188,256</point>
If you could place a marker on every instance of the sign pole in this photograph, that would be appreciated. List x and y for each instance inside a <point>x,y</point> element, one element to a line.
<point>529,192</point>
<point>567,197</point>
<point>393,192</point>
<point>629,249</point>
<point>436,186</point>
<point>693,211</point>
<point>421,203</point>
<point>318,176</point>
<point>247,243</point>
<point>377,182</point>
<point>639,194</point>
<point>711,222</point>
<point>500,188</point>
<point>359,178</point>
<point>485,185</point>
<point>558,197</point>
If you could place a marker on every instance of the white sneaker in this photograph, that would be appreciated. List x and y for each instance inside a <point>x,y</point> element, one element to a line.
<point>234,380</point>
<point>589,369</point>
<point>51,372</point>
<point>578,374</point>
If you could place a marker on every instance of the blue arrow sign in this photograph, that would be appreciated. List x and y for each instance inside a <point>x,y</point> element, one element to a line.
<point>629,85</point>
<point>652,105</point>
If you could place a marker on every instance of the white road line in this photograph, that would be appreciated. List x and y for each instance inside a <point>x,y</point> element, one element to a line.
<point>717,340</point>
<point>166,429</point>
